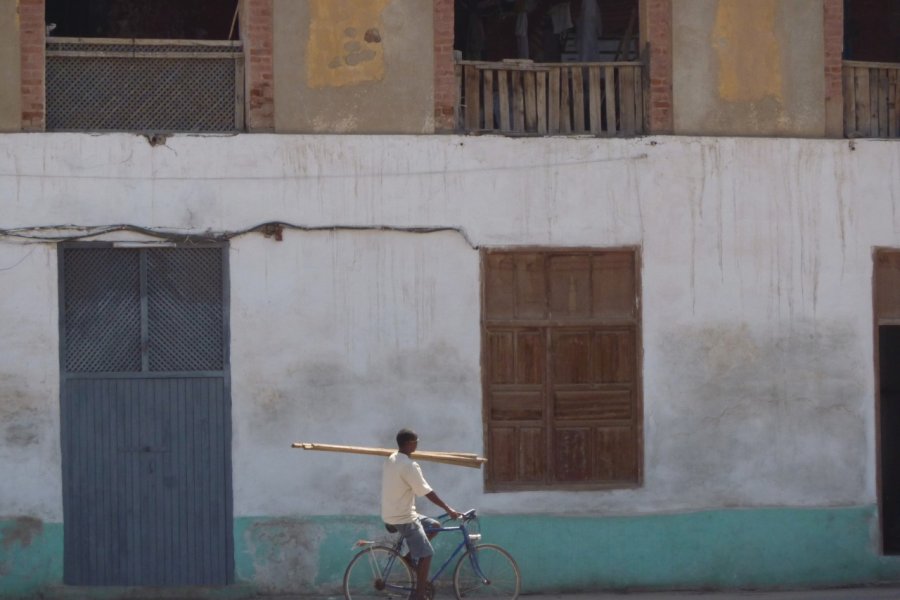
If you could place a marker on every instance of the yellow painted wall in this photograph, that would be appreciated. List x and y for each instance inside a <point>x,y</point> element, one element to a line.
<point>354,66</point>
<point>10,68</point>
<point>749,67</point>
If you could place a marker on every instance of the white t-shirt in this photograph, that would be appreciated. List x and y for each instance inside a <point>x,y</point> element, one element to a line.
<point>401,482</point>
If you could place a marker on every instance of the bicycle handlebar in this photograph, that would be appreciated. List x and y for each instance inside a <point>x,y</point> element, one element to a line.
<point>465,516</point>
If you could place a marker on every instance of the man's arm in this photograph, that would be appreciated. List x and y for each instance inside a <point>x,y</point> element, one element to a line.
<point>437,500</point>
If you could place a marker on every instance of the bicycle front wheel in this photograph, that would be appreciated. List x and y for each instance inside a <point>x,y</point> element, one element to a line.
<point>378,572</point>
<point>486,571</point>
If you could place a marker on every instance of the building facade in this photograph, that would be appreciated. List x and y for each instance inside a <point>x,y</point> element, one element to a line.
<point>650,274</point>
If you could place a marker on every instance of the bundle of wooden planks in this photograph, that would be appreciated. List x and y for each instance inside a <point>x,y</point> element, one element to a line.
<point>461,459</point>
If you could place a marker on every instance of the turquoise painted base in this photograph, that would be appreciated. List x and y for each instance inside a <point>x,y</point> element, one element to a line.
<point>31,556</point>
<point>722,549</point>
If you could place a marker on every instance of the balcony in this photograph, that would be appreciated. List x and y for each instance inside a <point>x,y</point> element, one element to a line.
<point>871,99</point>
<point>516,97</point>
<point>109,84</point>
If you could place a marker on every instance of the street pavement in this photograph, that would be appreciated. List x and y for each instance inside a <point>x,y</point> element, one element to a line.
<point>866,593</point>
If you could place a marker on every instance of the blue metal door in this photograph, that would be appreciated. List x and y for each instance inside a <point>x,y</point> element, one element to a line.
<point>145,414</point>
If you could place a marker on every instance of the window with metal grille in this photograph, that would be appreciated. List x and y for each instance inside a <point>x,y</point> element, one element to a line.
<point>148,309</point>
<point>561,369</point>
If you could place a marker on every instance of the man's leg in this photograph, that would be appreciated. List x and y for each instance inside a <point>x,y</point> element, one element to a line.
<point>422,570</point>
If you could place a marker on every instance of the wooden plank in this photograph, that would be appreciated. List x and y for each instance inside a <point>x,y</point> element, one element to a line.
<point>639,100</point>
<point>553,123</point>
<point>893,104</point>
<point>529,78</point>
<point>239,94</point>
<point>527,65</point>
<point>867,64</point>
<point>488,96</point>
<point>565,100</point>
<point>143,55</point>
<point>611,113</point>
<point>503,93</point>
<point>541,99</point>
<point>626,98</point>
<point>472,120</point>
<point>518,102</point>
<point>141,42</point>
<point>873,103</point>
<point>883,89</point>
<point>862,102</point>
<point>450,458</point>
<point>577,100</point>
<point>849,85</point>
<point>594,100</point>
<point>458,110</point>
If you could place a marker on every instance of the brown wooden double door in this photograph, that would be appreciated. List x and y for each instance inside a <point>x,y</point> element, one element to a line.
<point>561,368</point>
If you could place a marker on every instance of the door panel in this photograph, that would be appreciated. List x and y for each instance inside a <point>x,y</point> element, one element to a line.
<point>145,442</point>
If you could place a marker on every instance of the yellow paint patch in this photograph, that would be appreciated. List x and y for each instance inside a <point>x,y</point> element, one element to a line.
<point>344,46</point>
<point>749,52</point>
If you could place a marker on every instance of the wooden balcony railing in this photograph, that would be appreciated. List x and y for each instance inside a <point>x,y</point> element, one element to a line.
<point>871,99</point>
<point>524,98</point>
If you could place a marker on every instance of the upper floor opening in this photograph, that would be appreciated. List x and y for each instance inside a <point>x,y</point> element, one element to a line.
<point>162,66</point>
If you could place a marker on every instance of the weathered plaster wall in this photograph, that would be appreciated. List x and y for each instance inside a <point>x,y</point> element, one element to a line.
<point>350,66</point>
<point>749,68</point>
<point>756,301</point>
<point>10,68</point>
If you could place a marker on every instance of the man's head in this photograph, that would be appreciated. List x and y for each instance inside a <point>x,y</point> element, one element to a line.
<point>407,440</point>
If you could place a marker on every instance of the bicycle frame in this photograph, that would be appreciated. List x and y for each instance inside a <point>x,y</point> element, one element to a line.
<point>467,543</point>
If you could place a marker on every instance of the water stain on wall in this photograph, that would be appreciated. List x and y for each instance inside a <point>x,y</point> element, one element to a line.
<point>345,42</point>
<point>21,531</point>
<point>284,553</point>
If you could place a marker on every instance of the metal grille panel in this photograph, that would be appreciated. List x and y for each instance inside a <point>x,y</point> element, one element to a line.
<point>184,293</point>
<point>108,90</point>
<point>102,310</point>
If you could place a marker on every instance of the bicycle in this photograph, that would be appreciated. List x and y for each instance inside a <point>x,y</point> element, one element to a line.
<point>483,570</point>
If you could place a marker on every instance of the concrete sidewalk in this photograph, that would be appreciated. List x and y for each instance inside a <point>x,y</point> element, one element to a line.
<point>866,593</point>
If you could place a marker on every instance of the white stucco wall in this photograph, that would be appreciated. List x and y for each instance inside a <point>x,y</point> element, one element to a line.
<point>756,300</point>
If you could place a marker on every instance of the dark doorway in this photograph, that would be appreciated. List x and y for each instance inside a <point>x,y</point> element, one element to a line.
<point>547,30</point>
<point>156,19</point>
<point>872,30</point>
<point>889,369</point>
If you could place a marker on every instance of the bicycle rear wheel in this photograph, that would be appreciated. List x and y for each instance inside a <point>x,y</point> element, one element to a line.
<point>486,571</point>
<point>378,572</point>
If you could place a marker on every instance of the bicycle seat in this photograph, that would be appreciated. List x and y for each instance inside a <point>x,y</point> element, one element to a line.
<point>390,528</point>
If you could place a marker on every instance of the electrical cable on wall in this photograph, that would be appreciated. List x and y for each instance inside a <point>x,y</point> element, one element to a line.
<point>273,229</point>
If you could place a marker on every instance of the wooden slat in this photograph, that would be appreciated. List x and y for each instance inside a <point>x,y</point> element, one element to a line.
<point>518,107</point>
<point>873,103</point>
<point>893,113</point>
<point>849,85</point>
<point>565,100</point>
<point>530,87</point>
<point>570,286</point>
<point>517,406</point>
<point>488,96</point>
<point>862,102</point>
<point>553,124</point>
<point>611,115</point>
<point>626,99</point>
<point>638,100</point>
<point>577,100</point>
<point>472,120</point>
<point>503,93</point>
<point>458,114</point>
<point>593,405</point>
<point>594,99</point>
<point>541,98</point>
<point>883,115</point>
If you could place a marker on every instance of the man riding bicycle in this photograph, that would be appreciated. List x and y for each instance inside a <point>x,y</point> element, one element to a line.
<point>401,482</point>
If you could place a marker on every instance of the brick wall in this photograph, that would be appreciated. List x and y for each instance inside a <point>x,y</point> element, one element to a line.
<point>834,48</point>
<point>659,37</point>
<point>257,34</point>
<point>444,76</point>
<point>31,37</point>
